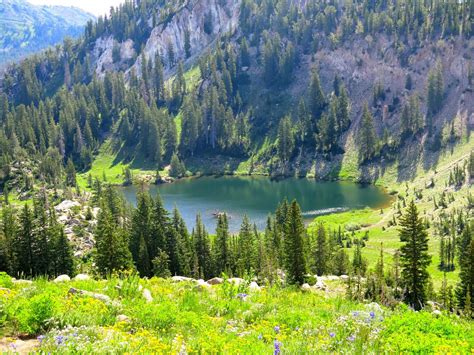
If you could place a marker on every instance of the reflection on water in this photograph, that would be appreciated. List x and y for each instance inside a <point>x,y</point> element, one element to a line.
<point>259,196</point>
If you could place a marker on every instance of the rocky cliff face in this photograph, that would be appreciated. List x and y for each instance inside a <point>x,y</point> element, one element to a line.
<point>189,16</point>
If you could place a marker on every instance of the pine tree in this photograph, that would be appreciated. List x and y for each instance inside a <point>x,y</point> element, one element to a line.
<point>321,251</point>
<point>286,141</point>
<point>140,233</point>
<point>187,43</point>
<point>317,100</point>
<point>23,244</point>
<point>465,287</point>
<point>414,257</point>
<point>294,245</point>
<point>202,249</point>
<point>70,174</point>
<point>221,247</point>
<point>246,248</point>
<point>113,254</point>
<point>62,258</point>
<point>367,136</point>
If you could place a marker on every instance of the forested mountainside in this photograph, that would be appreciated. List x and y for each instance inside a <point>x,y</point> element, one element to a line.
<point>26,28</point>
<point>325,89</point>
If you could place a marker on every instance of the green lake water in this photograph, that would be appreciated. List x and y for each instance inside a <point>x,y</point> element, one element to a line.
<point>258,196</point>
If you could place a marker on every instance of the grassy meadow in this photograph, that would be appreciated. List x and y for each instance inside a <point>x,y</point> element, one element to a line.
<point>188,318</point>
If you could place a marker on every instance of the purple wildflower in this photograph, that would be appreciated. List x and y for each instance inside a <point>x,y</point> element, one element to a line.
<point>297,328</point>
<point>242,296</point>
<point>41,338</point>
<point>277,347</point>
<point>351,338</point>
<point>332,334</point>
<point>260,337</point>
<point>277,329</point>
<point>372,315</point>
<point>355,314</point>
<point>59,339</point>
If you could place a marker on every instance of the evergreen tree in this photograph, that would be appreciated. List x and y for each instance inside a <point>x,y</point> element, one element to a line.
<point>70,174</point>
<point>367,136</point>
<point>294,245</point>
<point>23,244</point>
<point>414,257</point>
<point>140,231</point>
<point>187,43</point>
<point>247,257</point>
<point>465,287</point>
<point>286,141</point>
<point>113,254</point>
<point>221,246</point>
<point>202,249</point>
<point>317,100</point>
<point>321,251</point>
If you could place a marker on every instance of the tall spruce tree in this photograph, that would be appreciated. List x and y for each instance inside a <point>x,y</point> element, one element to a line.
<point>414,257</point>
<point>113,254</point>
<point>321,251</point>
<point>221,246</point>
<point>294,245</point>
<point>465,287</point>
<point>367,136</point>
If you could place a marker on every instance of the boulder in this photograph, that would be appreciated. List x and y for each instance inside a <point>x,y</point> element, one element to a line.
<point>344,277</point>
<point>181,279</point>
<point>202,285</point>
<point>147,295</point>
<point>436,313</point>
<point>82,277</point>
<point>320,285</point>
<point>332,278</point>
<point>236,281</point>
<point>97,296</point>
<point>254,286</point>
<point>215,281</point>
<point>66,205</point>
<point>62,278</point>
<point>122,318</point>
<point>306,287</point>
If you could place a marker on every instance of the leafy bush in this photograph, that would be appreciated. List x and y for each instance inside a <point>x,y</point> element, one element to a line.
<point>35,314</point>
<point>5,280</point>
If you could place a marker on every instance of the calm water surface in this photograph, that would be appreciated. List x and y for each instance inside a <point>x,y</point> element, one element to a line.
<point>257,197</point>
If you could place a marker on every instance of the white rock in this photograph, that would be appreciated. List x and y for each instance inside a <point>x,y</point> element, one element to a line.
<point>254,286</point>
<point>320,285</point>
<point>344,277</point>
<point>82,277</point>
<point>236,281</point>
<point>215,281</point>
<point>147,295</point>
<point>66,205</point>
<point>181,279</point>
<point>122,318</point>
<point>202,284</point>
<point>306,287</point>
<point>62,278</point>
<point>436,313</point>
<point>332,278</point>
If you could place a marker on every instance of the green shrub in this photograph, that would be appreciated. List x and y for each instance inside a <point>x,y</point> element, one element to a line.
<point>35,314</point>
<point>5,280</point>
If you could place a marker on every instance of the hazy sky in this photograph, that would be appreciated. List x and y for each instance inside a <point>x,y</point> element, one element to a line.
<point>96,7</point>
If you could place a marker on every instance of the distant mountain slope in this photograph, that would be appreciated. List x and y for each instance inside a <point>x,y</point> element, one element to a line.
<point>26,28</point>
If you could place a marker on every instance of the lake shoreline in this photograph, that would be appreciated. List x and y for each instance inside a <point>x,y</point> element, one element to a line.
<point>241,194</point>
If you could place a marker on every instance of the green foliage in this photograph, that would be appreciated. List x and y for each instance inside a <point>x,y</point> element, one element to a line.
<point>414,257</point>
<point>34,314</point>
